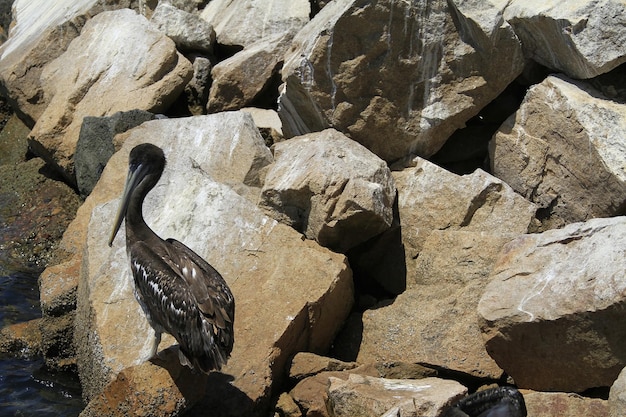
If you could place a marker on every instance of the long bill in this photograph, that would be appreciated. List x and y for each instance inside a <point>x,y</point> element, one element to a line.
<point>132,180</point>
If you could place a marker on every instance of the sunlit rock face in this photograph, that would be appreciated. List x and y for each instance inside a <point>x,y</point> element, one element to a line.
<point>552,316</point>
<point>558,151</point>
<point>583,39</point>
<point>398,77</point>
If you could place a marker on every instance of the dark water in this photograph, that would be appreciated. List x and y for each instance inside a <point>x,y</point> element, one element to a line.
<point>26,387</point>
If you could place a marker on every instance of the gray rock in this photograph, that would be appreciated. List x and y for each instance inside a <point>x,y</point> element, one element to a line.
<point>564,150</point>
<point>534,327</point>
<point>187,30</point>
<point>398,77</point>
<point>330,188</point>
<point>244,22</point>
<point>95,144</point>
<point>582,40</point>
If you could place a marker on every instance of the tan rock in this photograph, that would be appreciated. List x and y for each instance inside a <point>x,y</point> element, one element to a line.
<point>305,364</point>
<point>95,74</point>
<point>21,339</point>
<point>367,396</point>
<point>435,321</point>
<point>533,326</point>
<point>582,40</point>
<point>287,407</point>
<point>238,80</point>
<point>617,396</point>
<point>261,260</point>
<point>564,150</point>
<point>398,78</point>
<point>330,188</point>
<point>431,198</point>
<point>550,404</point>
<point>41,31</point>
<point>154,389</point>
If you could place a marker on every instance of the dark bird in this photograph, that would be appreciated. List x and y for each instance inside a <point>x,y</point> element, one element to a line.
<point>493,402</point>
<point>180,293</point>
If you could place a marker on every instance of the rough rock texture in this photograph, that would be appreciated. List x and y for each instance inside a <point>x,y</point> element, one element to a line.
<point>238,80</point>
<point>583,39</point>
<point>330,188</point>
<point>533,326</point>
<point>235,237</point>
<point>431,198</point>
<point>617,396</point>
<point>305,364</point>
<point>244,22</point>
<point>95,144</point>
<point>398,77</point>
<point>564,149</point>
<point>156,389</point>
<point>550,404</point>
<point>29,237</point>
<point>41,32</point>
<point>78,85</point>
<point>187,30</point>
<point>13,145</point>
<point>367,396</point>
<point>434,321</point>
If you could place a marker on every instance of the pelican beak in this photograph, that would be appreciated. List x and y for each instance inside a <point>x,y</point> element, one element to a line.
<point>135,175</point>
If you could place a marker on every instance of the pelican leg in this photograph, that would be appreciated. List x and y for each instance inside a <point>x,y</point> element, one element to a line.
<point>155,346</point>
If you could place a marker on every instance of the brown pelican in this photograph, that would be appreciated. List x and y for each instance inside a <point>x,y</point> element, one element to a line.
<point>493,402</point>
<point>179,292</point>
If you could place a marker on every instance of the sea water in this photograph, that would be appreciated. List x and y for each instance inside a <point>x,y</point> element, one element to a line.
<point>27,388</point>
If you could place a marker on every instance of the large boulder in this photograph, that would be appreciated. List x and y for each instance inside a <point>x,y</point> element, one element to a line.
<point>398,77</point>
<point>552,316</point>
<point>330,188</point>
<point>41,31</point>
<point>244,22</point>
<point>431,198</point>
<point>96,72</point>
<point>583,40</point>
<point>435,321</point>
<point>261,259</point>
<point>564,150</point>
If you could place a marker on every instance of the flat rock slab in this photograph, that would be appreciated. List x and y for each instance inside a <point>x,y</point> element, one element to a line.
<point>262,260</point>
<point>368,396</point>
<point>552,316</point>
<point>117,52</point>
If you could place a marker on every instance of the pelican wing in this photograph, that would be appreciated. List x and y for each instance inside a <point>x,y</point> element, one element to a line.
<point>207,285</point>
<point>196,305</point>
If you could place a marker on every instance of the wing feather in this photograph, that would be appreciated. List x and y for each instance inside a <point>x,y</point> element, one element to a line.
<point>194,302</point>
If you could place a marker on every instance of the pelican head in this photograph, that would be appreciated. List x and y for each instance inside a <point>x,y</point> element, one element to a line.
<point>146,163</point>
